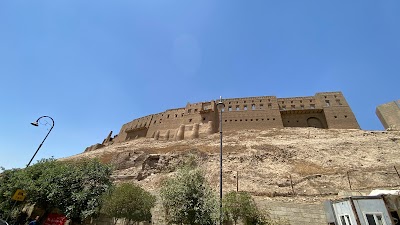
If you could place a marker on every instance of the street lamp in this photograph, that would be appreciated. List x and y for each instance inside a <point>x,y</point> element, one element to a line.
<point>36,123</point>
<point>220,107</point>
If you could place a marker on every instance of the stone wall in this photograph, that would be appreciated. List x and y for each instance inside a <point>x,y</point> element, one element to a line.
<point>295,213</point>
<point>324,110</point>
<point>389,115</point>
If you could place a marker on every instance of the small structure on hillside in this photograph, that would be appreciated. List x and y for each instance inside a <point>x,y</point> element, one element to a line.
<point>381,209</point>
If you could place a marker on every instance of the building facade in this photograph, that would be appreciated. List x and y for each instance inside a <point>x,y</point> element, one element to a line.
<point>326,110</point>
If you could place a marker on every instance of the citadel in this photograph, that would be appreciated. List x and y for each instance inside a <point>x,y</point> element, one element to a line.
<point>327,110</point>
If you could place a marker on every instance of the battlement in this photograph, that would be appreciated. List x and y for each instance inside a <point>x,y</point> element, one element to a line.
<point>325,110</point>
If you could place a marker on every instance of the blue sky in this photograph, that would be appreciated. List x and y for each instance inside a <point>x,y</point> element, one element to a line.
<point>94,65</point>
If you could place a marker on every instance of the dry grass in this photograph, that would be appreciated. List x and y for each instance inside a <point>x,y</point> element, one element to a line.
<point>306,168</point>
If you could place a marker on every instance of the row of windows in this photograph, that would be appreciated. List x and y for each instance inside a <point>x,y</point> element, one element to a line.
<point>253,107</point>
<point>245,120</point>
<point>283,107</point>
<point>301,101</point>
<point>327,102</point>
<point>269,100</point>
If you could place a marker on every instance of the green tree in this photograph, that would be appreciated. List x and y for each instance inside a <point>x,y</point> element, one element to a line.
<point>187,199</point>
<point>241,206</point>
<point>128,201</point>
<point>74,188</point>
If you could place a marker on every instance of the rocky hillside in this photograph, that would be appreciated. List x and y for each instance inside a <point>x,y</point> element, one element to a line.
<point>305,164</point>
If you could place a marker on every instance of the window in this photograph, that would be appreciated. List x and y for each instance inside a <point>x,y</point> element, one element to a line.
<point>301,101</point>
<point>204,118</point>
<point>190,120</point>
<point>345,116</point>
<point>195,110</point>
<point>168,116</point>
<point>335,117</point>
<point>345,220</point>
<point>293,106</point>
<point>269,106</point>
<point>226,121</point>
<point>189,110</point>
<point>327,103</point>
<point>253,106</point>
<point>245,107</point>
<point>283,107</point>
<point>229,108</point>
<point>176,115</point>
<point>302,106</point>
<point>261,106</point>
<point>374,219</point>
<point>240,120</point>
<point>291,101</point>
<point>312,106</point>
<point>237,108</point>
<point>338,102</point>
<point>244,101</point>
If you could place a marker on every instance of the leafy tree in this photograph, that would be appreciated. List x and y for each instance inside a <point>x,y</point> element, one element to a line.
<point>241,206</point>
<point>187,199</point>
<point>128,201</point>
<point>72,187</point>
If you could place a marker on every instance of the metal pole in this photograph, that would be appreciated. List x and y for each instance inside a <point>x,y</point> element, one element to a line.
<point>291,183</point>
<point>348,178</point>
<point>220,171</point>
<point>237,181</point>
<point>43,139</point>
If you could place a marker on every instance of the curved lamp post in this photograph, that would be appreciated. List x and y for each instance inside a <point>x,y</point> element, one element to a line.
<point>36,123</point>
<point>220,107</point>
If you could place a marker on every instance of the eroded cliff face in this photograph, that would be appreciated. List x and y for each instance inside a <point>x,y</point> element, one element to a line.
<point>302,163</point>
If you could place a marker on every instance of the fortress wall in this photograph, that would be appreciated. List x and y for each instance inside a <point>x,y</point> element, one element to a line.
<point>302,119</point>
<point>337,112</point>
<point>298,103</point>
<point>325,110</point>
<point>168,120</point>
<point>252,103</point>
<point>143,122</point>
<point>253,119</point>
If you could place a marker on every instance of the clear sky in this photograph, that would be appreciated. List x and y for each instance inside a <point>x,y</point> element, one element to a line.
<point>94,65</point>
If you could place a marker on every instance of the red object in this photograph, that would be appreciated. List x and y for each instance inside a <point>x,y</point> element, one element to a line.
<point>55,219</point>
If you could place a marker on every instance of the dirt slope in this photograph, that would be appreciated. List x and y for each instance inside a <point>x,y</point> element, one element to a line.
<point>321,163</point>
